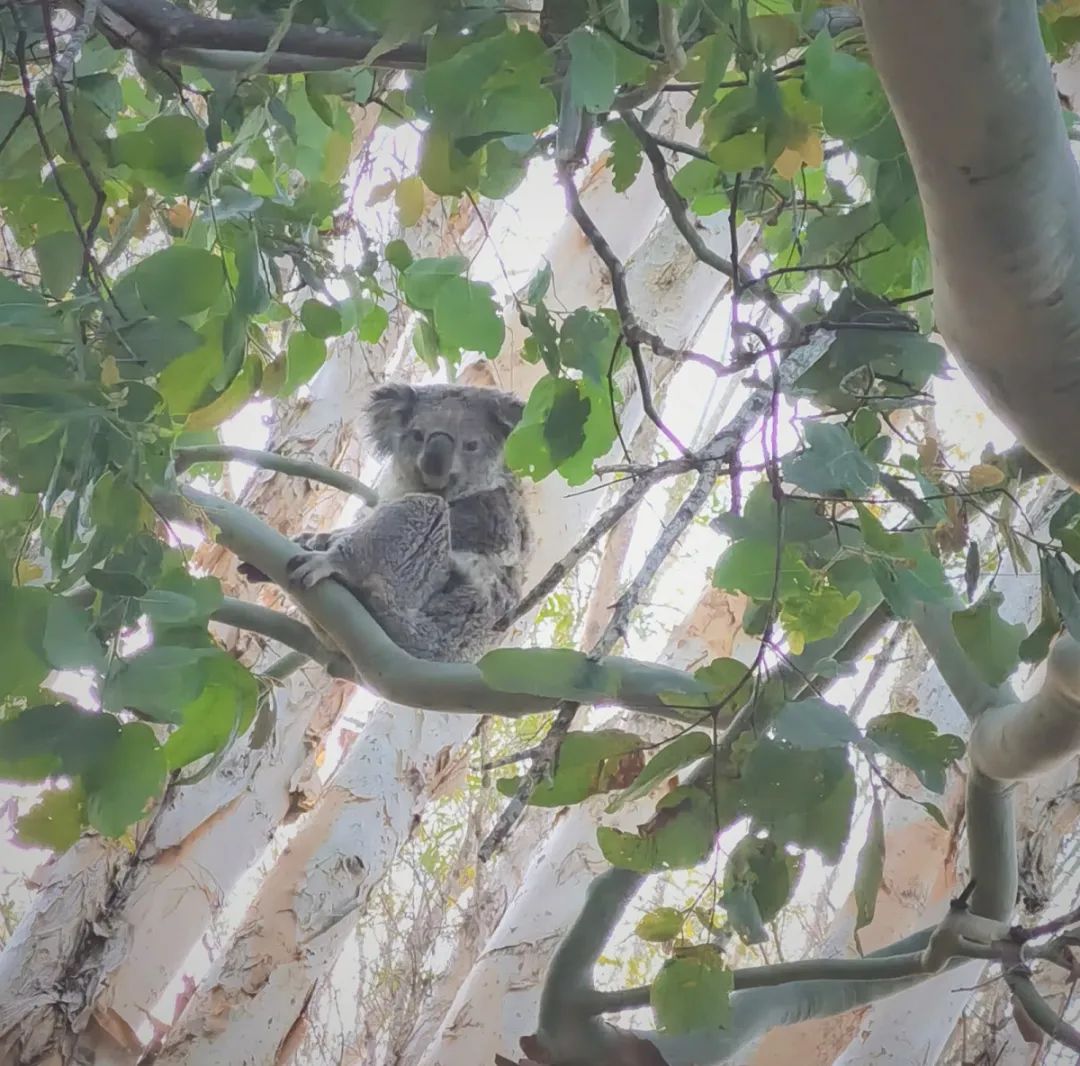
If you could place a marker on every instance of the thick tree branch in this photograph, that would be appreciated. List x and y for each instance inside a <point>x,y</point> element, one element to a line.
<point>161,30</point>
<point>1021,740</point>
<point>283,464</point>
<point>392,673</point>
<point>974,97</point>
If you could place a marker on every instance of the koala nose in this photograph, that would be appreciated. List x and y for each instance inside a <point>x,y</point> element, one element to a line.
<point>437,460</point>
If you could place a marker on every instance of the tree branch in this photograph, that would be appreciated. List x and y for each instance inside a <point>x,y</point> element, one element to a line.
<point>283,464</point>
<point>679,210</point>
<point>159,29</point>
<point>719,449</point>
<point>396,675</point>
<point>285,630</point>
<point>1022,740</point>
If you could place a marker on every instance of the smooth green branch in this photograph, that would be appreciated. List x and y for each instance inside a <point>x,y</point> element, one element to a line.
<point>283,464</point>
<point>1024,739</point>
<point>285,630</point>
<point>392,673</point>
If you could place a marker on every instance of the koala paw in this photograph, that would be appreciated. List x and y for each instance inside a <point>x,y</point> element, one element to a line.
<point>314,542</point>
<point>309,568</point>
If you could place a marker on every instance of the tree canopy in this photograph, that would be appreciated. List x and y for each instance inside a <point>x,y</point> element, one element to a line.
<point>180,242</point>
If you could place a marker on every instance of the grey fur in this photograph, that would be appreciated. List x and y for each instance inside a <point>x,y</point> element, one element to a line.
<point>441,558</point>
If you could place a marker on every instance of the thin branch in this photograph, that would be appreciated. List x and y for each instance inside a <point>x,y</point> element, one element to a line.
<point>632,330</point>
<point>283,464</point>
<point>64,64</point>
<point>285,630</point>
<point>679,211</point>
<point>720,448</point>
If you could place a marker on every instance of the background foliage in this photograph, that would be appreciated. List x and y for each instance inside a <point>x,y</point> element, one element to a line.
<point>175,230</point>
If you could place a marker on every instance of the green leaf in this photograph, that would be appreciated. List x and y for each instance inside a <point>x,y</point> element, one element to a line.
<point>55,821</point>
<point>660,925</point>
<point>303,359</point>
<point>750,566</point>
<point>592,70</point>
<point>567,425</point>
<point>759,880</point>
<point>915,743</point>
<point>169,145</point>
<point>60,260</point>
<point>587,343</point>
<point>178,281</point>
<point>870,868</point>
<point>520,108</point>
<point>423,279</point>
<point>68,643</point>
<point>223,709</point>
<point>321,320</point>
<point>682,751</point>
<point>626,155</point>
<point>714,55</point>
<point>120,786</point>
<point>587,764</point>
<point>854,107</point>
<point>692,993</point>
<point>446,170</point>
<point>149,345</point>
<point>815,613</point>
<point>556,673</point>
<point>409,198</point>
<point>812,723</point>
<point>252,292</point>
<point>159,681</point>
<point>798,521</point>
<point>60,738</point>
<point>23,666</point>
<point>992,644</point>
<point>467,317</point>
<point>832,463</point>
<point>398,255</point>
<point>801,797</point>
<point>681,834</point>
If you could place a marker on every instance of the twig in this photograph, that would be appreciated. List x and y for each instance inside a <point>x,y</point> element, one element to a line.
<point>65,62</point>
<point>677,207</point>
<point>633,331</point>
<point>283,464</point>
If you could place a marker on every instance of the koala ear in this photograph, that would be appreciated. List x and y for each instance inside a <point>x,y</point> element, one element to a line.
<point>506,412</point>
<point>388,412</point>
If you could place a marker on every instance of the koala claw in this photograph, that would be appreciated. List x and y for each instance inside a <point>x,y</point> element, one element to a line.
<point>309,568</point>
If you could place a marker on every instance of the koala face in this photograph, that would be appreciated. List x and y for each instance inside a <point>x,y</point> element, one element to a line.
<point>444,439</point>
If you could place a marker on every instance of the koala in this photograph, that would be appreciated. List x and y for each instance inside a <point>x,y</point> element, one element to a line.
<point>441,557</point>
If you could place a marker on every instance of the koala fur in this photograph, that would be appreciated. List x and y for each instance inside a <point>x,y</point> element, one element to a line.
<point>440,559</point>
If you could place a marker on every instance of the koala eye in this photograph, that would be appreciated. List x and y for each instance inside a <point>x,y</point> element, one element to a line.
<point>417,436</point>
<point>471,445</point>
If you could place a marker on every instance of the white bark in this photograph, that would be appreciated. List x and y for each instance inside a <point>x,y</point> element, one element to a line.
<point>972,91</point>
